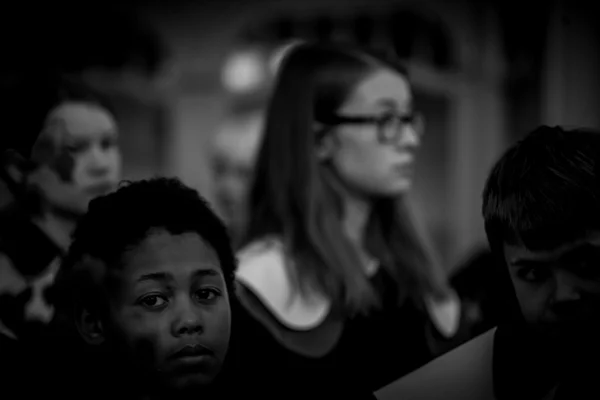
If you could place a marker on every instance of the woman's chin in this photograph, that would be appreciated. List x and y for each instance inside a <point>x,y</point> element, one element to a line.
<point>401,186</point>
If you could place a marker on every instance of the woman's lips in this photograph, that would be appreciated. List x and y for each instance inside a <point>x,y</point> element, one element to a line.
<point>405,169</point>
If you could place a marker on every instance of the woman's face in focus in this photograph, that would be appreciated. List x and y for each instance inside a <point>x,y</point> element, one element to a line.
<point>376,159</point>
<point>77,156</point>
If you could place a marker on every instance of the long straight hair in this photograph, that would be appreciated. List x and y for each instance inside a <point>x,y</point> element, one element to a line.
<point>295,197</point>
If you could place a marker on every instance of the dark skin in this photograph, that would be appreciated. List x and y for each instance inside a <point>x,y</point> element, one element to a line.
<point>170,295</point>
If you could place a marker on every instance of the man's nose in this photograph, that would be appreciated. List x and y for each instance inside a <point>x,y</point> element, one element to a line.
<point>188,318</point>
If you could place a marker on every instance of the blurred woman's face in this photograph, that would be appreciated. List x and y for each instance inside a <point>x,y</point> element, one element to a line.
<point>376,158</point>
<point>77,156</point>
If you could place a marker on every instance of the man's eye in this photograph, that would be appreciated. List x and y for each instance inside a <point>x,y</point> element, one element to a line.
<point>208,294</point>
<point>153,301</point>
<point>532,274</point>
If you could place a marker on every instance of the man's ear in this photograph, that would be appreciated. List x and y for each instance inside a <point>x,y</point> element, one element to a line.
<point>15,165</point>
<point>90,326</point>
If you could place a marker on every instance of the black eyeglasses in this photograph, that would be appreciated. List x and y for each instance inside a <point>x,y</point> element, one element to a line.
<point>390,126</point>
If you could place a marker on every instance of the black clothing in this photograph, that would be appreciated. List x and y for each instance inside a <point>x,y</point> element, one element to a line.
<point>371,351</point>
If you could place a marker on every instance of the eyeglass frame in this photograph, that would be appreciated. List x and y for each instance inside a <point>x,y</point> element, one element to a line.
<point>379,121</point>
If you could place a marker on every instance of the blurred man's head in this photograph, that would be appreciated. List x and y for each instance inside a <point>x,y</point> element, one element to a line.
<point>60,148</point>
<point>541,206</point>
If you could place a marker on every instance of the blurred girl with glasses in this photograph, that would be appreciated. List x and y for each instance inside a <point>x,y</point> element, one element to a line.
<point>332,264</point>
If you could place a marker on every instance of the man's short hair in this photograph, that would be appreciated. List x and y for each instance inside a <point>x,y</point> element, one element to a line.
<point>544,190</point>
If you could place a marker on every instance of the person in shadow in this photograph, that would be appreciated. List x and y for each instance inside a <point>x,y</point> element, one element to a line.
<point>58,150</point>
<point>541,206</point>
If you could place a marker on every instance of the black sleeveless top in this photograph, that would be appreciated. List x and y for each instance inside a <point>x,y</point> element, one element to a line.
<point>370,351</point>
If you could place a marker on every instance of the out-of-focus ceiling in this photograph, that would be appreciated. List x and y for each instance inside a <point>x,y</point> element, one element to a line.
<point>72,38</point>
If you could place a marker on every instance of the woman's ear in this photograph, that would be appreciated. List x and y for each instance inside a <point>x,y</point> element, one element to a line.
<point>325,144</point>
<point>90,326</point>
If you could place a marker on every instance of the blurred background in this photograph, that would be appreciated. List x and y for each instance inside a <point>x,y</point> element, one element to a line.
<point>190,79</point>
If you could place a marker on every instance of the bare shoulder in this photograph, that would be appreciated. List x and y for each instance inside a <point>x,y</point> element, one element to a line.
<point>463,373</point>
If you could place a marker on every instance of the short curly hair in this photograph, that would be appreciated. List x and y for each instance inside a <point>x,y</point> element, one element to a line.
<point>121,220</point>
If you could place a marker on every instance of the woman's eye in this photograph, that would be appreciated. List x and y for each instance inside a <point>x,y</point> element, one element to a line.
<point>153,301</point>
<point>108,143</point>
<point>76,148</point>
<point>386,119</point>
